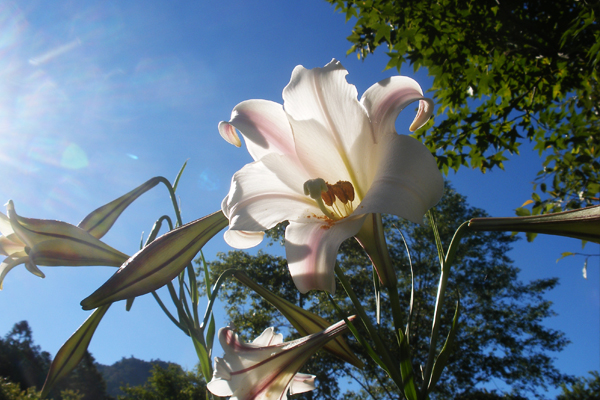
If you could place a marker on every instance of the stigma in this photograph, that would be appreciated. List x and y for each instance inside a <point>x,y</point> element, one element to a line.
<point>334,200</point>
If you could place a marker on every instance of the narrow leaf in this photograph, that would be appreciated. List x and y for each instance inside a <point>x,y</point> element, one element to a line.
<point>442,359</point>
<point>73,350</point>
<point>179,176</point>
<point>305,322</point>
<point>99,221</point>
<point>406,369</point>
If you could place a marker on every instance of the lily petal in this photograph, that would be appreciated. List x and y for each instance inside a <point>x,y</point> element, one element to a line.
<point>407,182</point>
<point>243,239</point>
<point>8,246</point>
<point>385,99</point>
<point>265,127</point>
<point>302,383</point>
<point>228,132</point>
<point>265,193</point>
<point>251,371</point>
<point>11,262</point>
<point>328,121</point>
<point>311,250</point>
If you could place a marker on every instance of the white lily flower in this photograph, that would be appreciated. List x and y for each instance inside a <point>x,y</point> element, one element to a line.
<point>323,162</point>
<point>42,242</point>
<point>267,368</point>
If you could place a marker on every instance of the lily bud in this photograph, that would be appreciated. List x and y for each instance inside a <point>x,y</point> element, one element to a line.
<point>158,263</point>
<point>583,224</point>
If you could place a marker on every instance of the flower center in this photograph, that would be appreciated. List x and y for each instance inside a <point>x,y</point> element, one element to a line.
<point>334,200</point>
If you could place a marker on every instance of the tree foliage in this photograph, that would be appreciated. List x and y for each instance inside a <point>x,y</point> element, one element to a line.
<point>505,73</point>
<point>171,383</point>
<point>582,389</point>
<point>24,364</point>
<point>500,336</point>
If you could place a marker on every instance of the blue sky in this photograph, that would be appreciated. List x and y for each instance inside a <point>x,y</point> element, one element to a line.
<point>98,97</point>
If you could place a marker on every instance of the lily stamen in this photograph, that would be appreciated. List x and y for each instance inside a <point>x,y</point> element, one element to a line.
<point>334,200</point>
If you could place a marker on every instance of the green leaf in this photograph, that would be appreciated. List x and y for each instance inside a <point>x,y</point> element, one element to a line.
<point>305,322</point>
<point>203,358</point>
<point>179,176</point>
<point>73,350</point>
<point>442,359</point>
<point>406,369</point>
<point>99,221</point>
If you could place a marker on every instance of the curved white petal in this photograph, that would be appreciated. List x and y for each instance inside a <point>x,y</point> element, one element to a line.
<point>264,125</point>
<point>311,250</point>
<point>328,121</point>
<point>385,99</point>
<point>268,338</point>
<point>267,192</point>
<point>9,247</point>
<point>407,183</point>
<point>302,383</point>
<point>11,262</point>
<point>243,239</point>
<point>228,132</point>
<point>5,226</point>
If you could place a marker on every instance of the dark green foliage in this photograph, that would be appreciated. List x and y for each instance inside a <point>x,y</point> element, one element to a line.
<point>500,335</point>
<point>23,363</point>
<point>168,383</point>
<point>128,371</point>
<point>582,389</point>
<point>505,73</point>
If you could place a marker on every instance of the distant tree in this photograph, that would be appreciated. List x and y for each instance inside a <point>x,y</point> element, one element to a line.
<point>501,335</point>
<point>26,365</point>
<point>582,389</point>
<point>171,383</point>
<point>21,361</point>
<point>504,73</point>
<point>128,371</point>
<point>12,391</point>
<point>85,382</point>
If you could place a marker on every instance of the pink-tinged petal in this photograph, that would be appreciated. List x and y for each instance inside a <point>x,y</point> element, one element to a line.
<point>407,183</point>
<point>243,239</point>
<point>265,127</point>
<point>311,249</point>
<point>250,371</point>
<point>8,246</point>
<point>11,262</point>
<point>302,383</point>
<point>328,121</point>
<point>268,338</point>
<point>385,99</point>
<point>265,193</point>
<point>227,132</point>
<point>5,226</point>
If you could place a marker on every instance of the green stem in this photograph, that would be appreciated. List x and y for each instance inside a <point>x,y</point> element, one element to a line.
<point>168,313</point>
<point>446,263</point>
<point>379,346</point>
<point>173,198</point>
<point>214,292</point>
